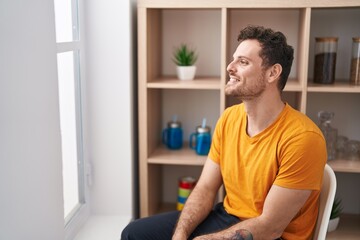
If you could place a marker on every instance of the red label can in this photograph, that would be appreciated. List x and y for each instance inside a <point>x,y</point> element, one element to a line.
<point>186,185</point>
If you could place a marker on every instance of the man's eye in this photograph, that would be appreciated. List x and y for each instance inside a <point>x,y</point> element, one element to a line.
<point>243,62</point>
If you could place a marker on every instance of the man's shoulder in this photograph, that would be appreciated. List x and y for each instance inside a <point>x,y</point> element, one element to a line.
<point>299,122</point>
<point>233,114</point>
<point>234,109</point>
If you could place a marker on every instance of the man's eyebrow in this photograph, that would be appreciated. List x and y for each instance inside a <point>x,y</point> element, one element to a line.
<point>242,57</point>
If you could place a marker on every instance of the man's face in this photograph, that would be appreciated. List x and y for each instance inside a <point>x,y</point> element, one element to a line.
<point>246,74</point>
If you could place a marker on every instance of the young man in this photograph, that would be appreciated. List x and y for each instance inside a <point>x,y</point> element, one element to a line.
<point>269,157</point>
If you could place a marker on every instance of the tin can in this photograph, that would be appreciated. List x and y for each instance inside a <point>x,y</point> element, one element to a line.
<point>186,185</point>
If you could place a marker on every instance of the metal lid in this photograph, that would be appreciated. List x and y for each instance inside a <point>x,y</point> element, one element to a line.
<point>174,124</point>
<point>200,129</point>
<point>356,39</point>
<point>326,39</point>
<point>187,179</point>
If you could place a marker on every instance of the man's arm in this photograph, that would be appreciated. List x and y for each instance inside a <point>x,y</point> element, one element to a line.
<point>280,207</point>
<point>200,201</point>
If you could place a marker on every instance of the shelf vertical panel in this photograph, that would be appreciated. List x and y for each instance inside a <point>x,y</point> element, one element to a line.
<point>224,73</point>
<point>154,139</point>
<point>142,109</point>
<point>224,56</point>
<point>154,43</point>
<point>149,42</point>
<point>153,109</point>
<point>303,52</point>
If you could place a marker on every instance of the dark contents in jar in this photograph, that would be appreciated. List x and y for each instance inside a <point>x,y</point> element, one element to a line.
<point>324,71</point>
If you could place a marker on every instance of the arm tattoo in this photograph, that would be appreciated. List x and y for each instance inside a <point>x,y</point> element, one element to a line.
<point>242,234</point>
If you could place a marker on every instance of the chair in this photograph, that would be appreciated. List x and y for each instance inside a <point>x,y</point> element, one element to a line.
<point>327,196</point>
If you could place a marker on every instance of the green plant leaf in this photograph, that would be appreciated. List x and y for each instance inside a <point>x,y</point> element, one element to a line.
<point>336,209</point>
<point>184,56</point>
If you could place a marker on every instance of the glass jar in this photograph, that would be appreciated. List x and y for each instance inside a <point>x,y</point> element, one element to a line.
<point>329,132</point>
<point>355,62</point>
<point>325,59</point>
<point>341,144</point>
<point>172,136</point>
<point>353,150</point>
<point>200,140</point>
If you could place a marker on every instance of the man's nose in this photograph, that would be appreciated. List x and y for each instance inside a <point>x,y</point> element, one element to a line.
<point>230,67</point>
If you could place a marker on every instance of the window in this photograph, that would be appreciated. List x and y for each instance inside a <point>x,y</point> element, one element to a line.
<point>66,20</point>
<point>68,62</point>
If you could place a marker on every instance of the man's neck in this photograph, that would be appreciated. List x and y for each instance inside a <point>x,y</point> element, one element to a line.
<point>261,113</point>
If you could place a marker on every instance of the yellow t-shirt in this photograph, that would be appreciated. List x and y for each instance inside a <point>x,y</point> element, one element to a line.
<point>290,153</point>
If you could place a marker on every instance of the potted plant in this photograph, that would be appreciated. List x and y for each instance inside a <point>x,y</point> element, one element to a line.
<point>335,215</point>
<point>185,58</point>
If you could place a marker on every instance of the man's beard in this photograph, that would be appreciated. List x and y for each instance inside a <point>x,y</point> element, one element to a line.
<point>244,93</point>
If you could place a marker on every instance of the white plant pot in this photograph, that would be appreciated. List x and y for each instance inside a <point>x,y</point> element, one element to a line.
<point>186,72</point>
<point>333,224</point>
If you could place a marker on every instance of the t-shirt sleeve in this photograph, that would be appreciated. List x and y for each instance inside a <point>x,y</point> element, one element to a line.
<point>301,159</point>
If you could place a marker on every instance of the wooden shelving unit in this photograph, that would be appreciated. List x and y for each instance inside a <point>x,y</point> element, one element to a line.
<point>185,156</point>
<point>342,165</point>
<point>212,26</point>
<point>337,87</point>
<point>198,83</point>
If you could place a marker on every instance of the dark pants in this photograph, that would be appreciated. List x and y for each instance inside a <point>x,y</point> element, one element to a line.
<point>162,226</point>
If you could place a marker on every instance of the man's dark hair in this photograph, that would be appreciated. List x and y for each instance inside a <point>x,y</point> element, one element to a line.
<point>274,49</point>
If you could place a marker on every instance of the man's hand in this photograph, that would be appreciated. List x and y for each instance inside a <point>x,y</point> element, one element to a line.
<point>281,205</point>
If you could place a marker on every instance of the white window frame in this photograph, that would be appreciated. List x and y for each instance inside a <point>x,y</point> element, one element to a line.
<point>78,216</point>
<point>75,48</point>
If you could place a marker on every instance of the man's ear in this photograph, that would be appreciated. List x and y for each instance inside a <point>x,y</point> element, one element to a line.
<point>275,72</point>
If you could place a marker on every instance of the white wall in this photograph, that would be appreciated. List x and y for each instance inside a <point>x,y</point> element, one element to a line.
<point>109,143</point>
<point>31,204</point>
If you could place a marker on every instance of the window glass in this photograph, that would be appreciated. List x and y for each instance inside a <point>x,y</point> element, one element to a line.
<point>65,21</point>
<point>68,59</point>
<point>67,101</point>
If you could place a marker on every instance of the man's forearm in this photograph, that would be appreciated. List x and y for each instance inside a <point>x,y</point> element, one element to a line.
<point>196,209</point>
<point>253,228</point>
<point>241,234</point>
